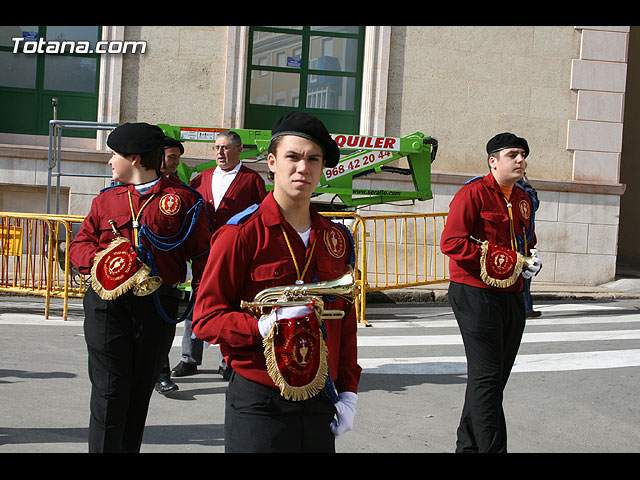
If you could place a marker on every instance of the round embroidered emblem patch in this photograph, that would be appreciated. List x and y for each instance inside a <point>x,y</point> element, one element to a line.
<point>525,209</point>
<point>501,262</point>
<point>170,204</point>
<point>335,242</point>
<point>118,265</point>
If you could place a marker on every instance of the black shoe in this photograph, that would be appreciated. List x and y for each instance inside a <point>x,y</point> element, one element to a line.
<point>184,370</point>
<point>165,385</point>
<point>225,372</point>
<point>533,314</point>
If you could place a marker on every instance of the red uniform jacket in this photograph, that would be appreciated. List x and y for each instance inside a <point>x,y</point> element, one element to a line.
<point>163,214</point>
<point>479,209</point>
<point>252,256</point>
<point>246,189</point>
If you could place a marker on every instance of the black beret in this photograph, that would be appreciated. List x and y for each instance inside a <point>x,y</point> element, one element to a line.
<point>130,138</point>
<point>307,126</point>
<point>170,142</point>
<point>507,140</point>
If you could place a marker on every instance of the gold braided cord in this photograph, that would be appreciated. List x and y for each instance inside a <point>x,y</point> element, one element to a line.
<point>512,231</point>
<point>295,263</point>
<point>134,216</point>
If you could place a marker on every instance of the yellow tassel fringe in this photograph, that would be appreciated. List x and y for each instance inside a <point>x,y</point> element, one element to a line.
<point>493,282</point>
<point>291,392</point>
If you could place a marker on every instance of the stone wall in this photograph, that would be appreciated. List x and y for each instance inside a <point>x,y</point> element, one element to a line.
<point>561,87</point>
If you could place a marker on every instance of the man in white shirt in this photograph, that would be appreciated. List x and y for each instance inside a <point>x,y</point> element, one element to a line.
<point>221,180</point>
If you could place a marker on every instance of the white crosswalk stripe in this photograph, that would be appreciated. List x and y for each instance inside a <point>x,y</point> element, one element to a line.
<point>524,363</point>
<point>406,340</point>
<point>590,329</point>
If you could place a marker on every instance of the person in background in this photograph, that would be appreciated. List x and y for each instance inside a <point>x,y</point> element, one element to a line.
<point>526,289</point>
<point>228,189</point>
<point>173,150</point>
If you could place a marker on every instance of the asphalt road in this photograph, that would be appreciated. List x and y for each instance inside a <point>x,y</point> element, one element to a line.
<point>574,388</point>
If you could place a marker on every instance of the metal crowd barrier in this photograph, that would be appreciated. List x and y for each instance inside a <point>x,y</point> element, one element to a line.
<point>33,260</point>
<point>405,250</point>
<point>395,252</point>
<point>392,252</point>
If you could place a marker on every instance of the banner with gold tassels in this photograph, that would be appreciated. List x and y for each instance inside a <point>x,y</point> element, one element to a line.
<point>296,356</point>
<point>117,269</point>
<point>499,266</point>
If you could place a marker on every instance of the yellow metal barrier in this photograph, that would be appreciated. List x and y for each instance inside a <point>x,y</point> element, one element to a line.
<point>32,259</point>
<point>404,250</point>
<point>395,251</point>
<point>24,239</point>
<point>392,252</point>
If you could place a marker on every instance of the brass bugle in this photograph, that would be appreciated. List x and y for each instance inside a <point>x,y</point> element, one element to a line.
<point>147,286</point>
<point>305,294</point>
<point>528,261</point>
<point>116,232</point>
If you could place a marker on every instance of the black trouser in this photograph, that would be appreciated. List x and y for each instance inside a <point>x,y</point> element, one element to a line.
<point>491,324</point>
<point>127,342</point>
<point>258,419</point>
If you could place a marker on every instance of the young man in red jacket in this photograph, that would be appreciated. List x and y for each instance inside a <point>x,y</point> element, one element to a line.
<point>489,225</point>
<point>128,335</point>
<point>282,241</point>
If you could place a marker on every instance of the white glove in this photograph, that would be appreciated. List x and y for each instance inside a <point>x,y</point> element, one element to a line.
<point>535,268</point>
<point>266,321</point>
<point>346,411</point>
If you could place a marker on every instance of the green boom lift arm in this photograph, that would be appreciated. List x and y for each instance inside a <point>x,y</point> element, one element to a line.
<point>369,155</point>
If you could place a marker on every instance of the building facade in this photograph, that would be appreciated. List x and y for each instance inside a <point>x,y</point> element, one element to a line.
<point>567,89</point>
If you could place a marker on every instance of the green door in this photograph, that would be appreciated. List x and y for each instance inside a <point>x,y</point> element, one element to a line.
<point>30,78</point>
<point>316,69</point>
